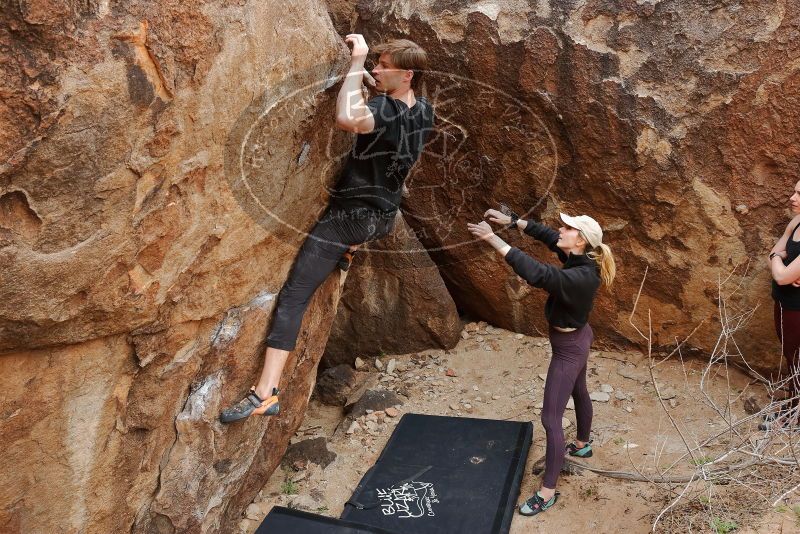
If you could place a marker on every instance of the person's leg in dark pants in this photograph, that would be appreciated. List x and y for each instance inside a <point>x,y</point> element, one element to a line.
<point>319,255</point>
<point>560,378</point>
<point>565,376</point>
<point>580,392</point>
<point>311,268</point>
<point>583,408</point>
<point>331,237</point>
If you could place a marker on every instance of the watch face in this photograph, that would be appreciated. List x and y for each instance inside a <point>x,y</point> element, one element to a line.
<point>508,212</point>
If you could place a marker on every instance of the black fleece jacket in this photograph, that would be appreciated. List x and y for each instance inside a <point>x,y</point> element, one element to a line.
<point>572,288</point>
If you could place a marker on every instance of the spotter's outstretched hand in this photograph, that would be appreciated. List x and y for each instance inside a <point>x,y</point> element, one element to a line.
<point>497,217</point>
<point>482,230</point>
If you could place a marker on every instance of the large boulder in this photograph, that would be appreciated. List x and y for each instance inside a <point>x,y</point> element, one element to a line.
<point>158,171</point>
<point>393,302</point>
<point>674,123</point>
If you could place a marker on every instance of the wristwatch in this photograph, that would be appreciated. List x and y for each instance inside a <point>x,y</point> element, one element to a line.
<point>772,255</point>
<point>505,210</point>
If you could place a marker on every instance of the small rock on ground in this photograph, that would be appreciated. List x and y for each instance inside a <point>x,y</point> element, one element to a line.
<point>375,400</point>
<point>256,511</point>
<point>628,372</point>
<point>668,393</point>
<point>304,502</point>
<point>354,428</point>
<point>599,396</point>
<point>314,450</point>
<point>336,383</point>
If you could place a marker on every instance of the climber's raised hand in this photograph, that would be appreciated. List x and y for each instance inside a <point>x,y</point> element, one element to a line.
<point>359,48</point>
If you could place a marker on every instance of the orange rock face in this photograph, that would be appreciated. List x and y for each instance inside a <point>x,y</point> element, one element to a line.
<point>160,162</point>
<point>673,125</point>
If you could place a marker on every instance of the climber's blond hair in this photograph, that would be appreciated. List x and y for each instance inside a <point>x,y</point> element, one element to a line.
<point>406,55</point>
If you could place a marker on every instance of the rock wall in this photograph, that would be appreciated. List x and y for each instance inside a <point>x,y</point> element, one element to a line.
<point>393,302</point>
<point>674,123</point>
<point>158,170</point>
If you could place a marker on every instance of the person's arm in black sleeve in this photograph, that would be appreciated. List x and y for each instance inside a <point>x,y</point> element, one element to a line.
<point>546,235</point>
<point>536,273</point>
<point>543,233</point>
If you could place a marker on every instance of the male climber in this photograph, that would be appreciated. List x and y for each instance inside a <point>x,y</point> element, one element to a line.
<point>391,130</point>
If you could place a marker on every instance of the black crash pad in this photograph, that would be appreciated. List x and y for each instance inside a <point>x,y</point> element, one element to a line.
<point>444,475</point>
<point>282,520</point>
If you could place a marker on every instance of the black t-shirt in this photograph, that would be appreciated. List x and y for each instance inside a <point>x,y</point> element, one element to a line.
<point>380,161</point>
<point>788,295</point>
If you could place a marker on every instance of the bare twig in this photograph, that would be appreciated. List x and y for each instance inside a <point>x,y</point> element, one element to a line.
<point>740,458</point>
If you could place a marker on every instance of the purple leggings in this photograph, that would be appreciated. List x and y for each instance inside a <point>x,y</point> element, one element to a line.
<point>566,377</point>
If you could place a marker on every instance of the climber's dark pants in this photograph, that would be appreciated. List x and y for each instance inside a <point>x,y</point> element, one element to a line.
<point>566,378</point>
<point>330,238</point>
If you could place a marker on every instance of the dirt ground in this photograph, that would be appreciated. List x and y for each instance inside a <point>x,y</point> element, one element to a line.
<point>499,375</point>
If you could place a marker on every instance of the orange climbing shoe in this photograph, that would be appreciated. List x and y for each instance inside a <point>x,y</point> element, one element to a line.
<point>252,404</point>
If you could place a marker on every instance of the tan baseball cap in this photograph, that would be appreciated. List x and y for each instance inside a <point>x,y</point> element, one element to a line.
<point>589,227</point>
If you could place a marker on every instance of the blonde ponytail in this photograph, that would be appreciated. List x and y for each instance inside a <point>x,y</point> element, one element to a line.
<point>608,267</point>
